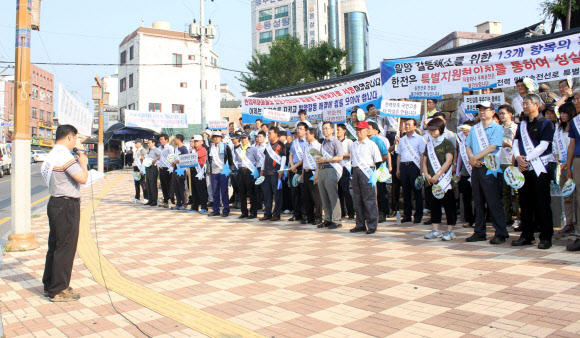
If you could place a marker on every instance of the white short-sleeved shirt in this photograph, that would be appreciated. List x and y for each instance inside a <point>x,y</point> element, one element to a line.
<point>368,153</point>
<point>416,142</point>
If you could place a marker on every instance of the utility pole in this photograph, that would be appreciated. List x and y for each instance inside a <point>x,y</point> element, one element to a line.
<point>21,237</point>
<point>100,95</point>
<point>202,71</point>
<point>569,15</point>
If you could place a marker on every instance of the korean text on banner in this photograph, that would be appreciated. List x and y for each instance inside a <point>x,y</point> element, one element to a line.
<point>337,115</point>
<point>217,125</point>
<point>425,91</point>
<point>404,109</point>
<point>546,60</point>
<point>72,111</point>
<point>276,115</point>
<point>478,81</point>
<point>152,120</point>
<point>471,101</point>
<point>188,160</point>
<point>359,93</point>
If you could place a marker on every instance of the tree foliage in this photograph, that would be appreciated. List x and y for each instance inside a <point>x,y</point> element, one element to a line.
<point>289,63</point>
<point>557,11</point>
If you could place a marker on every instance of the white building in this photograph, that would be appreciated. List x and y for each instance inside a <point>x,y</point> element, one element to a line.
<point>344,23</point>
<point>160,72</point>
<point>226,94</point>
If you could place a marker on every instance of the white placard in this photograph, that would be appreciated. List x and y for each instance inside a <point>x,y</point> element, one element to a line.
<point>336,115</point>
<point>188,160</point>
<point>425,91</point>
<point>151,120</point>
<point>217,125</point>
<point>404,109</point>
<point>277,115</point>
<point>72,111</point>
<point>478,81</point>
<point>471,101</point>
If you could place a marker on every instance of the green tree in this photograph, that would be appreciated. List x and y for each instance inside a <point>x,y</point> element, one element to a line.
<point>557,11</point>
<point>289,63</point>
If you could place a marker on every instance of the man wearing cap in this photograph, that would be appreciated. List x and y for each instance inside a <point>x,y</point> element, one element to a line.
<point>246,156</point>
<point>486,138</point>
<point>165,171</point>
<point>310,193</point>
<point>152,172</point>
<point>365,156</point>
<point>410,150</point>
<point>138,157</point>
<point>197,176</point>
<point>327,176</point>
<point>178,181</point>
<point>533,152</point>
<point>273,160</point>
<point>297,152</point>
<point>220,159</point>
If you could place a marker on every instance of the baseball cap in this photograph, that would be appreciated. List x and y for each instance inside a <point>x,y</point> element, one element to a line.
<point>138,140</point>
<point>198,138</point>
<point>362,125</point>
<point>217,133</point>
<point>485,104</point>
<point>245,134</point>
<point>354,109</point>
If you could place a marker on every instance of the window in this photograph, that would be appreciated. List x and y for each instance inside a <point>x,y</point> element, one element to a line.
<point>42,95</point>
<point>33,131</point>
<point>177,108</point>
<point>191,57</point>
<point>155,107</point>
<point>176,60</point>
<point>131,106</point>
<point>123,85</point>
<point>265,37</point>
<point>282,33</point>
<point>41,132</point>
<point>34,112</point>
<point>41,116</point>
<point>183,85</point>
<point>130,80</point>
<point>131,56</point>
<point>266,14</point>
<point>34,93</point>
<point>124,57</point>
<point>282,11</point>
<point>49,98</point>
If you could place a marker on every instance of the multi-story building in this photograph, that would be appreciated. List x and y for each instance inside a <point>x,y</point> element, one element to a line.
<point>160,72</point>
<point>484,31</point>
<point>344,23</point>
<point>41,106</point>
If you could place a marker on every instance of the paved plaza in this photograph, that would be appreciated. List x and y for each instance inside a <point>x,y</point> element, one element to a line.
<point>178,274</point>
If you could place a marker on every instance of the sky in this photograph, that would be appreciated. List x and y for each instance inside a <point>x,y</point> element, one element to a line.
<point>82,31</point>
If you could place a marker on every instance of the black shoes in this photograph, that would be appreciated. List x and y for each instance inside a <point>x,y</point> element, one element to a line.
<point>225,214</point>
<point>323,224</point>
<point>370,232</point>
<point>476,238</point>
<point>252,216</point>
<point>574,246</point>
<point>292,219</point>
<point>405,220</point>
<point>243,216</point>
<point>334,225</point>
<point>303,221</point>
<point>353,230</point>
<point>417,220</point>
<point>213,213</point>
<point>522,241</point>
<point>428,222</point>
<point>545,245</point>
<point>496,240</point>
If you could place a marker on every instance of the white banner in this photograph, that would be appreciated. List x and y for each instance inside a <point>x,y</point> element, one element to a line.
<point>404,109</point>
<point>217,125</point>
<point>471,101</point>
<point>546,60</point>
<point>337,115</point>
<point>359,93</point>
<point>72,111</point>
<point>152,120</point>
<point>277,115</point>
<point>425,91</point>
<point>478,81</point>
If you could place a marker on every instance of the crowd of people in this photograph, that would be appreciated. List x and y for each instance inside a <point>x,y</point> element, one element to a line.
<point>323,175</point>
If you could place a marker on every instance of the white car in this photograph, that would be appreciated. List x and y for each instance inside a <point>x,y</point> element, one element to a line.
<point>38,155</point>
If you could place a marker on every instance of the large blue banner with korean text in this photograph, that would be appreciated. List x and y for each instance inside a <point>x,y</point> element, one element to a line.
<point>331,105</point>
<point>546,60</point>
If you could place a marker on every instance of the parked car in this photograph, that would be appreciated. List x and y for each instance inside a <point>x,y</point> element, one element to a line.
<point>5,160</point>
<point>38,155</point>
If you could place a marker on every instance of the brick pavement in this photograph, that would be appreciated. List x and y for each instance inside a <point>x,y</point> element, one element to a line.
<point>289,280</point>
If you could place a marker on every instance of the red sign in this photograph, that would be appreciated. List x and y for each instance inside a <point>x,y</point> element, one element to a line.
<point>259,27</point>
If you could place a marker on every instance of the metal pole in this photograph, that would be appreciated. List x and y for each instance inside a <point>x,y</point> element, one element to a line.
<point>21,237</point>
<point>569,15</point>
<point>100,148</point>
<point>202,71</point>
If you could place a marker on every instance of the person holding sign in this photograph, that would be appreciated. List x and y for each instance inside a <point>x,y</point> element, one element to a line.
<point>221,163</point>
<point>63,173</point>
<point>297,153</point>
<point>327,176</point>
<point>138,157</point>
<point>533,152</point>
<point>411,147</point>
<point>438,173</point>
<point>247,158</point>
<point>486,138</point>
<point>165,170</point>
<point>366,157</point>
<point>197,176</point>
<point>310,193</point>
<point>178,181</point>
<point>272,163</point>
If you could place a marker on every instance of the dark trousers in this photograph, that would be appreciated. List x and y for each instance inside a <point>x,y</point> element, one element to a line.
<point>286,193</point>
<point>311,198</point>
<point>296,195</point>
<point>487,188</point>
<point>152,173</point>
<point>63,219</point>
<point>395,186</point>
<point>383,198</point>
<point>409,172</point>
<point>344,194</point>
<point>141,184</point>
<point>247,186</point>
<point>272,195</point>
<point>447,202</point>
<point>166,188</point>
<point>365,198</point>
<point>466,194</point>
<point>178,184</point>
<point>199,191</point>
<point>219,185</point>
<point>535,202</point>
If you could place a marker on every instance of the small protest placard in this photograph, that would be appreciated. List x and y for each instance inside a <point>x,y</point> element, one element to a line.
<point>471,101</point>
<point>188,160</point>
<point>276,115</point>
<point>478,81</point>
<point>404,109</point>
<point>336,115</point>
<point>425,91</point>
<point>217,125</point>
